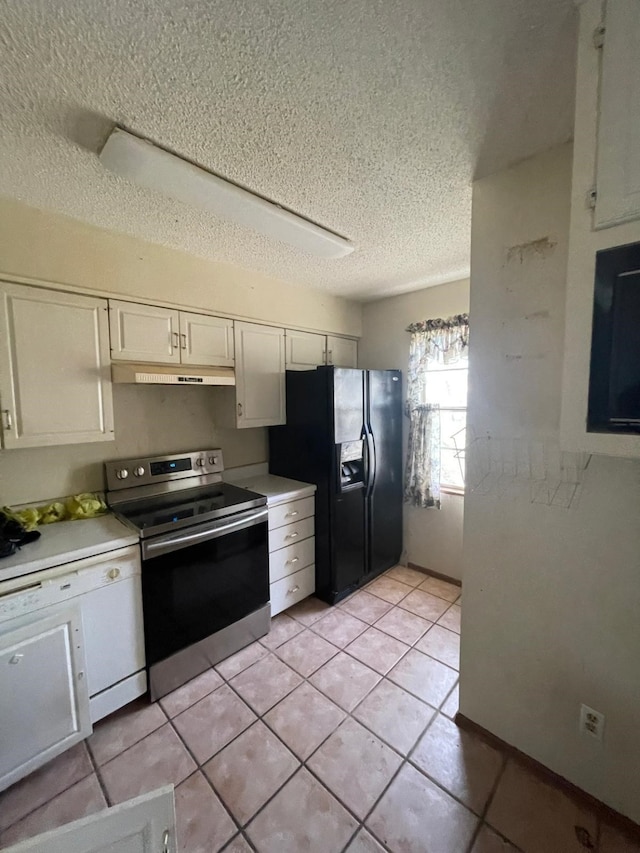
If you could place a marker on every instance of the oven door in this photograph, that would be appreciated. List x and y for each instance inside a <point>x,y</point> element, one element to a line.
<point>202,579</point>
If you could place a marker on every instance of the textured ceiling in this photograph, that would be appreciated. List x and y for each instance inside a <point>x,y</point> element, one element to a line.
<point>370,117</point>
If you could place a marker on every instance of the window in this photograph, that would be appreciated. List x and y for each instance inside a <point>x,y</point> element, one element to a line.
<point>436,408</point>
<point>446,386</point>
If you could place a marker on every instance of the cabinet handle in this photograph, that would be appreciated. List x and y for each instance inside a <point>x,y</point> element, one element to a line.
<point>291,535</point>
<point>184,340</point>
<point>292,514</point>
<point>329,356</point>
<point>294,589</point>
<point>177,339</point>
<point>15,659</point>
<point>292,560</point>
<point>7,420</point>
<point>239,410</point>
<point>112,574</point>
<point>165,841</point>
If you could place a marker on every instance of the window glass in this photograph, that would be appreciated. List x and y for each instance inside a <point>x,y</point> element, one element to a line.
<point>446,385</point>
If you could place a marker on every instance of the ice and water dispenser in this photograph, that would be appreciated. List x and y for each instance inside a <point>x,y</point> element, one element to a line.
<point>351,468</point>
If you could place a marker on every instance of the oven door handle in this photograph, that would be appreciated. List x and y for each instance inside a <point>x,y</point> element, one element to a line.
<point>167,544</point>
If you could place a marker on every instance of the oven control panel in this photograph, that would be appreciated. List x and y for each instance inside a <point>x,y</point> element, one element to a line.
<point>128,473</point>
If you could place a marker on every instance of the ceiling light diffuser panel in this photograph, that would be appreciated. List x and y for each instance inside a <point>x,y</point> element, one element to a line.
<point>149,166</point>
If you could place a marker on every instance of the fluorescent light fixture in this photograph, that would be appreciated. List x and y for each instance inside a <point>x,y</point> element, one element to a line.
<point>150,166</point>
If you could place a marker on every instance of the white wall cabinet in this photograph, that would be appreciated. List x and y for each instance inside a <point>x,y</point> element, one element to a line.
<point>306,350</point>
<point>260,368</point>
<point>206,340</point>
<point>148,333</point>
<point>593,105</point>
<point>55,383</point>
<point>618,160</point>
<point>342,352</point>
<point>44,700</point>
<point>144,333</point>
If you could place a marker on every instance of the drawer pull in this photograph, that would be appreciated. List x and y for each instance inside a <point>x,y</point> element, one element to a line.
<point>292,560</point>
<point>112,574</point>
<point>291,535</point>
<point>294,589</point>
<point>292,514</point>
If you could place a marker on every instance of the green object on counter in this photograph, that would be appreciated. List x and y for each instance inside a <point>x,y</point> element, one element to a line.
<point>74,508</point>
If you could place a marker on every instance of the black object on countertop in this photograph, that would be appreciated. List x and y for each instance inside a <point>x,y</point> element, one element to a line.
<point>14,535</point>
<point>344,434</point>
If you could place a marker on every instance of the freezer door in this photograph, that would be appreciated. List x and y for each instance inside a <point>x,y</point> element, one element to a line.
<point>348,404</point>
<point>384,495</point>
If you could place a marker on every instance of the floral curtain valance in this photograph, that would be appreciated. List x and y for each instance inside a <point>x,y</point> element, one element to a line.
<point>433,342</point>
<point>440,341</point>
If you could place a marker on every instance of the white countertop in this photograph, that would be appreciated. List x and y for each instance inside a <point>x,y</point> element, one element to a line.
<point>66,541</point>
<point>277,490</point>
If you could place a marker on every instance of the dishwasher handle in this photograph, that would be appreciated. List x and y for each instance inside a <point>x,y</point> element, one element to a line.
<point>177,541</point>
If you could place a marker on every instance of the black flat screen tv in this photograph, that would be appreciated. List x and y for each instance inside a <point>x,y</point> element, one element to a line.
<point>614,379</point>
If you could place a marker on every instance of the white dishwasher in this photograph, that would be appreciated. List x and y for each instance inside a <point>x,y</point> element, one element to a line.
<point>71,651</point>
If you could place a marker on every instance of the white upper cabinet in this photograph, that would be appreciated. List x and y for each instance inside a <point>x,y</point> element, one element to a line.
<point>164,336</point>
<point>55,384</point>
<point>618,158</point>
<point>260,366</point>
<point>206,340</point>
<point>342,352</point>
<point>144,333</point>
<point>305,350</point>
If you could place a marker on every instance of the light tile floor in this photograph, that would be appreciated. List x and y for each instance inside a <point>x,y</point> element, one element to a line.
<point>333,733</point>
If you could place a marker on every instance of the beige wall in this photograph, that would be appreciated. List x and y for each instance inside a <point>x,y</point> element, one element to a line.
<point>46,247</point>
<point>149,420</point>
<point>37,246</point>
<point>432,538</point>
<point>552,594</point>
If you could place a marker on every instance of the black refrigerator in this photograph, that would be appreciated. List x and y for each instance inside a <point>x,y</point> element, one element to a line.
<point>344,434</point>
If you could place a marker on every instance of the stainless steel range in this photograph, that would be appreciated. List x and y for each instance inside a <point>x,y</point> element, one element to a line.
<point>205,562</point>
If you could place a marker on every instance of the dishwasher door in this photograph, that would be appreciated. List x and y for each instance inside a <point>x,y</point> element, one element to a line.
<point>44,698</point>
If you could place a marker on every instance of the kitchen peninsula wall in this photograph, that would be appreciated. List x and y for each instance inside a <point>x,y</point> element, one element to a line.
<point>41,247</point>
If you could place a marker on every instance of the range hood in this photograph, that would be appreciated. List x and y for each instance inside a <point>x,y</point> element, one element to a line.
<point>170,374</point>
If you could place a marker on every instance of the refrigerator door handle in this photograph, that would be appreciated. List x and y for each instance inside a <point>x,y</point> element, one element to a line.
<point>371,459</point>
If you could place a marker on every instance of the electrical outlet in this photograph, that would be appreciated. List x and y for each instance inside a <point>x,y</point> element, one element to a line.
<point>591,722</point>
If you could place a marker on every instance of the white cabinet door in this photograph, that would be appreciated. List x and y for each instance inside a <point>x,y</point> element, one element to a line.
<point>55,382</point>
<point>44,700</point>
<point>260,366</point>
<point>144,825</point>
<point>207,341</point>
<point>144,333</point>
<point>305,350</point>
<point>112,655</point>
<point>342,352</point>
<point>618,162</point>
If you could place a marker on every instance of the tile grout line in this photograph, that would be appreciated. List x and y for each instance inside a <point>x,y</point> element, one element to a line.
<point>200,770</point>
<point>482,822</point>
<point>97,768</point>
<point>349,715</point>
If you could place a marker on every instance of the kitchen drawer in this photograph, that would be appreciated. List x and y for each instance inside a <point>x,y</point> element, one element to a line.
<point>291,559</point>
<point>286,592</point>
<point>291,533</point>
<point>291,511</point>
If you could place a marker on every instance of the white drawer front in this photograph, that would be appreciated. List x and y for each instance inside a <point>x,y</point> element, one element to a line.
<point>288,560</point>
<point>291,511</point>
<point>291,534</point>
<point>286,592</point>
